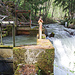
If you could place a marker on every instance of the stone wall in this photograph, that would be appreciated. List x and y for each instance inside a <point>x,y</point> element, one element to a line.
<point>40,55</point>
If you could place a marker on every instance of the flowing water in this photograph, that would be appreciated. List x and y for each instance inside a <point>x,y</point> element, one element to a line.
<point>64,44</point>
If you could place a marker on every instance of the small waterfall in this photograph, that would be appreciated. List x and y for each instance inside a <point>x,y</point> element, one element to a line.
<point>64,43</point>
<point>64,56</point>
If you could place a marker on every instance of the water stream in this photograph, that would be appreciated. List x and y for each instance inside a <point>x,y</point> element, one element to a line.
<point>64,44</point>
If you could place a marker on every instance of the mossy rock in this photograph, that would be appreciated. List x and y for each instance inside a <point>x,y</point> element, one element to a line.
<point>52,34</point>
<point>43,37</point>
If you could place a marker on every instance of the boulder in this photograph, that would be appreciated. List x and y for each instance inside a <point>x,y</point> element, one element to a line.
<point>51,35</point>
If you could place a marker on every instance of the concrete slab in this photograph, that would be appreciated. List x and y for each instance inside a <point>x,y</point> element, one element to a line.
<point>45,43</point>
<point>6,53</point>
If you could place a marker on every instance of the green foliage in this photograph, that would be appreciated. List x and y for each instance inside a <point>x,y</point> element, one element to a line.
<point>43,37</point>
<point>4,29</point>
<point>39,72</point>
<point>49,15</point>
<point>67,5</point>
<point>69,21</point>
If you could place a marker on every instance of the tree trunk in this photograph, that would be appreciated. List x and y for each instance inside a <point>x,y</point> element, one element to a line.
<point>40,10</point>
<point>35,11</point>
<point>45,8</point>
<point>32,9</point>
<point>53,12</point>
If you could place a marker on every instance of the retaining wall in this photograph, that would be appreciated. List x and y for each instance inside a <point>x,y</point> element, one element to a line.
<point>40,55</point>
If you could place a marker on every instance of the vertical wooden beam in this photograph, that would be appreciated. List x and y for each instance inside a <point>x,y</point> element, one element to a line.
<point>16,16</point>
<point>13,34</point>
<point>30,19</point>
<point>1,34</point>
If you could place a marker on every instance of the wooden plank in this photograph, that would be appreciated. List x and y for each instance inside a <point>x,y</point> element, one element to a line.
<point>7,22</point>
<point>23,32</point>
<point>23,28</point>
<point>23,11</point>
<point>24,22</point>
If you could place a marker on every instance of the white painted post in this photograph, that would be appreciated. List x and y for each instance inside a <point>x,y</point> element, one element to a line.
<point>40,21</point>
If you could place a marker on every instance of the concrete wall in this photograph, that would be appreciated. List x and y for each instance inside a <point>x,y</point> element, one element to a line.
<point>40,55</point>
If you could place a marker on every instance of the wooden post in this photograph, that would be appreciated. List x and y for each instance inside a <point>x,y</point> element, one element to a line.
<point>30,20</point>
<point>1,34</point>
<point>40,21</point>
<point>13,34</point>
<point>16,17</point>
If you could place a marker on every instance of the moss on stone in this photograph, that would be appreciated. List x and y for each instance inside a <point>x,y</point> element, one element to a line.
<point>45,63</point>
<point>18,57</point>
<point>52,34</point>
<point>30,50</point>
<point>3,46</point>
<point>37,51</point>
